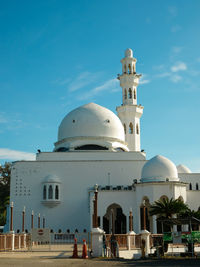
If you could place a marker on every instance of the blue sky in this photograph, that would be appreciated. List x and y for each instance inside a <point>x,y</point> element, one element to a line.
<point>58,55</point>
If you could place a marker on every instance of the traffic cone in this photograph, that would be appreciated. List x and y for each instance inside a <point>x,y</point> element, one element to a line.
<point>75,251</point>
<point>84,253</point>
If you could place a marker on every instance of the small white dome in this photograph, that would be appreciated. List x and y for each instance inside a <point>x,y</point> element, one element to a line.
<point>129,53</point>
<point>159,169</point>
<point>183,169</point>
<point>51,179</point>
<point>89,124</point>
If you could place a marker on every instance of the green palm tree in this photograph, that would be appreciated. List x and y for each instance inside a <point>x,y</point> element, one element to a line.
<point>167,208</point>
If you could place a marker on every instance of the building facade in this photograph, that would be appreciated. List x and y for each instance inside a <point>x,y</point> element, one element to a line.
<point>97,150</point>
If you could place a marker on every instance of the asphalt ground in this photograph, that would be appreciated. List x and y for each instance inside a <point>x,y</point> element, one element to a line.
<point>47,260</point>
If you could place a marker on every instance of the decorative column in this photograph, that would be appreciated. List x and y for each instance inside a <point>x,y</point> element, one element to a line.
<point>145,235</point>
<point>32,221</point>
<point>144,215</point>
<point>43,222</point>
<point>97,241</point>
<point>95,207</point>
<point>11,226</point>
<point>130,221</point>
<point>154,224</point>
<point>23,219</point>
<point>97,233</point>
<point>39,220</point>
<point>131,234</point>
<point>11,216</point>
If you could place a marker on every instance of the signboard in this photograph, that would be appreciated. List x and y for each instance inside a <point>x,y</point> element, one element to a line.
<point>167,236</point>
<point>40,235</point>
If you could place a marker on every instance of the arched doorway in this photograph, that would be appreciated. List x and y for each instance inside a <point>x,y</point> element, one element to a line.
<point>114,221</point>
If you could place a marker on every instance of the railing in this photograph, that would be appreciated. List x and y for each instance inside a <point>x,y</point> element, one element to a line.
<point>125,241</point>
<point>156,240</point>
<point>60,238</point>
<point>7,242</point>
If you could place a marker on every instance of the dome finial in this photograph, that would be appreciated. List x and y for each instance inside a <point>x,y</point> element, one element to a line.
<point>129,52</point>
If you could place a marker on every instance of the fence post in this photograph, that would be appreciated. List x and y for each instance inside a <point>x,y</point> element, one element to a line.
<point>12,241</point>
<point>129,235</point>
<point>145,238</point>
<point>24,236</point>
<point>5,243</point>
<point>97,241</point>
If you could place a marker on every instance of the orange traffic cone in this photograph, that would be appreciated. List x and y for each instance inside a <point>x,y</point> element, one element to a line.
<point>75,251</point>
<point>84,253</point>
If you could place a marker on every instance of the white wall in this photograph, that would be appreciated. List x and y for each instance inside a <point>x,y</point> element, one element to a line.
<point>76,177</point>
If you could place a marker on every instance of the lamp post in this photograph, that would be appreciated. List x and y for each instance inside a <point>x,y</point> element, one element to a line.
<point>43,222</point>
<point>11,216</point>
<point>32,215</point>
<point>39,220</point>
<point>23,219</point>
<point>130,220</point>
<point>95,212</point>
<point>144,214</point>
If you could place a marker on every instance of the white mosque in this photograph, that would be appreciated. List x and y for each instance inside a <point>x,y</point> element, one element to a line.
<point>98,150</point>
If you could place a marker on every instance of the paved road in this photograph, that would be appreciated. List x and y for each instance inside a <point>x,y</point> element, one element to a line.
<point>61,262</point>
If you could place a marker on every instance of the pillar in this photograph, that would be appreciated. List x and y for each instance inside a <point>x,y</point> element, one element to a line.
<point>154,224</point>
<point>145,235</point>
<point>97,241</point>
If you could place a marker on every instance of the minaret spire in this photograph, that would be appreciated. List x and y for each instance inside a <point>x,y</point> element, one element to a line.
<point>129,112</point>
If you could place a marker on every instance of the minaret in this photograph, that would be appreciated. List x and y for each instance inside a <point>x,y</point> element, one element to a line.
<point>129,112</point>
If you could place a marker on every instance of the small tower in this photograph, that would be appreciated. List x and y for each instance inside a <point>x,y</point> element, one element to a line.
<point>129,112</point>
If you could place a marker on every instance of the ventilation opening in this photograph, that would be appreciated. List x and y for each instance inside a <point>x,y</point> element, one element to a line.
<point>62,149</point>
<point>91,147</point>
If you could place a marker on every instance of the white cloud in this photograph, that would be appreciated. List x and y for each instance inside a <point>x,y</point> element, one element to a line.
<point>172,11</point>
<point>82,80</point>
<point>3,119</point>
<point>159,67</point>
<point>179,66</point>
<point>163,74</point>
<point>8,154</point>
<point>144,80</point>
<point>175,78</point>
<point>110,85</point>
<point>175,28</point>
<point>177,49</point>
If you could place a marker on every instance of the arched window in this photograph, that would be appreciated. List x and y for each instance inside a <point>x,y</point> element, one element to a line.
<point>129,93</point>
<point>190,186</point>
<point>50,193</point>
<point>124,128</point>
<point>44,192</point>
<point>68,231</point>
<point>56,192</point>
<point>137,129</point>
<point>197,186</point>
<point>131,128</point>
<point>76,230</point>
<point>134,94</point>
<point>59,231</point>
<point>125,93</point>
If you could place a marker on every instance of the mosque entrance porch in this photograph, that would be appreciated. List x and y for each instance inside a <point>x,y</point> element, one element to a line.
<point>114,221</point>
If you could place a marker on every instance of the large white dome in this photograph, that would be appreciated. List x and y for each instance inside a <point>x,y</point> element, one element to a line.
<point>90,123</point>
<point>183,169</point>
<point>159,169</point>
